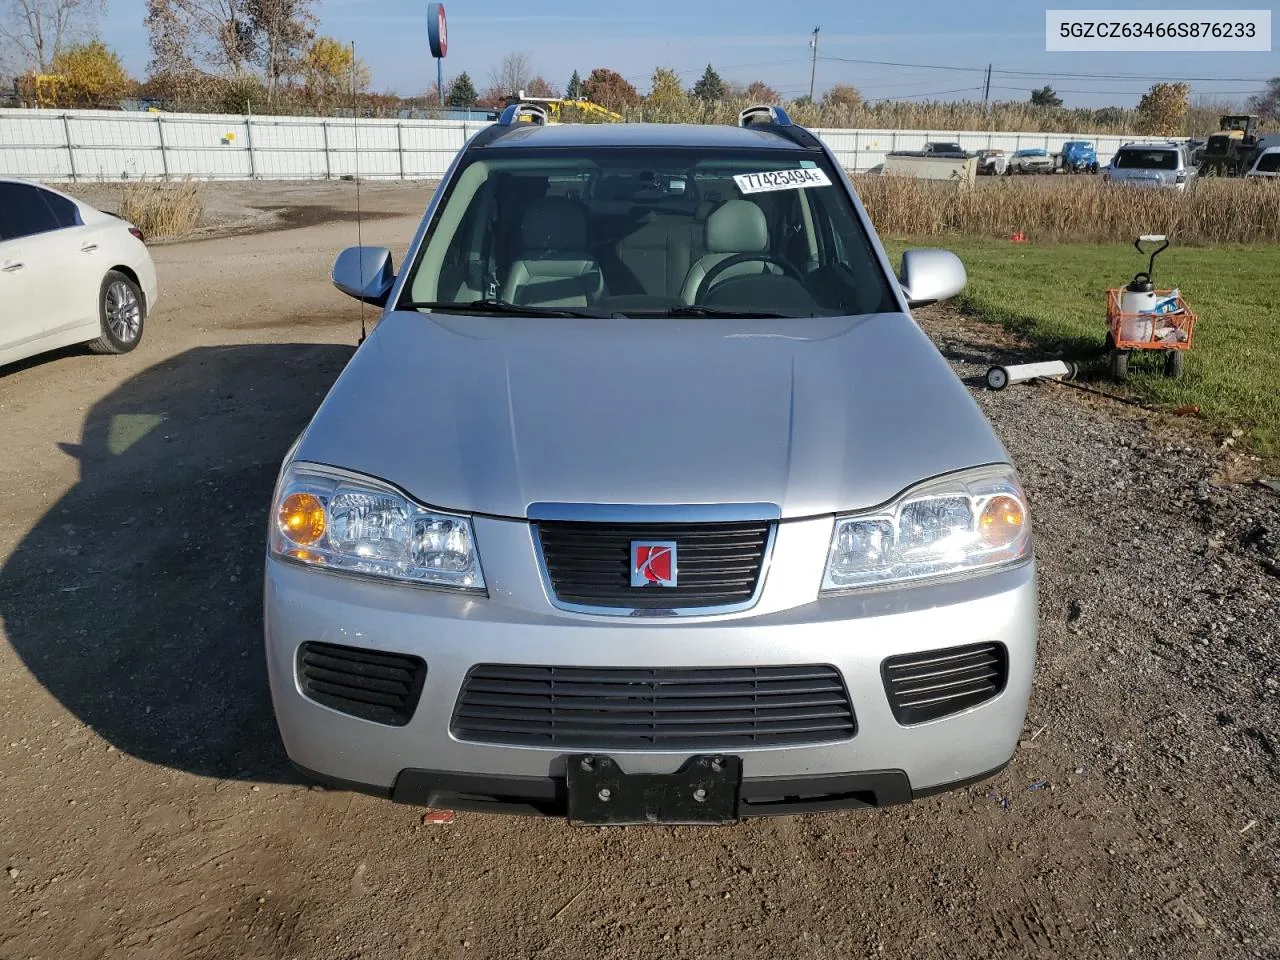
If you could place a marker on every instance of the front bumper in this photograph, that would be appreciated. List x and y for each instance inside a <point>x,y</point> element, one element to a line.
<point>423,762</point>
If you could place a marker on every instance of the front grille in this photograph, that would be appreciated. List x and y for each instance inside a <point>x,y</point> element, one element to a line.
<point>372,685</point>
<point>937,683</point>
<point>717,564</point>
<point>702,708</point>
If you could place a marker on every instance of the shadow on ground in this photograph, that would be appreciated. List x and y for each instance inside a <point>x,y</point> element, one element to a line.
<point>137,599</point>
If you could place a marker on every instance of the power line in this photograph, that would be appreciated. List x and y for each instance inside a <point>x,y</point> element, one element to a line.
<point>933,93</point>
<point>732,66</point>
<point>1044,75</point>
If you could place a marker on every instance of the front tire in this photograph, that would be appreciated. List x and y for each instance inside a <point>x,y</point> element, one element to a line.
<point>121,314</point>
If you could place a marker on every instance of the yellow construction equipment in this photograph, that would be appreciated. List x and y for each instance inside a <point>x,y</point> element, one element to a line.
<point>556,106</point>
<point>1225,152</point>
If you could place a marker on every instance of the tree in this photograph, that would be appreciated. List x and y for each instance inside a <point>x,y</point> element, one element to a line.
<point>761,92</point>
<point>710,87</point>
<point>610,89</point>
<point>282,30</point>
<point>462,92</point>
<point>39,29</point>
<point>90,75</point>
<point>1267,104</point>
<point>194,36</point>
<point>574,90</point>
<point>665,90</point>
<point>1162,111</point>
<point>842,95</point>
<point>540,87</point>
<point>1045,97</point>
<point>511,75</point>
<point>327,72</point>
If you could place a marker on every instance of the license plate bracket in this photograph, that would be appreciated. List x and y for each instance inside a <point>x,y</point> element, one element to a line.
<point>704,791</point>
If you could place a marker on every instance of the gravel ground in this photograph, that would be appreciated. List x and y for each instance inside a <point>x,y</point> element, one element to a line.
<point>260,206</point>
<point>148,811</point>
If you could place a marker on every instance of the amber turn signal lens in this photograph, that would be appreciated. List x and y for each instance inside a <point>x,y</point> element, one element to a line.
<point>1001,521</point>
<point>302,518</point>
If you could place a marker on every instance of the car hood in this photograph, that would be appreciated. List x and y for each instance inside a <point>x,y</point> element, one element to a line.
<point>493,414</point>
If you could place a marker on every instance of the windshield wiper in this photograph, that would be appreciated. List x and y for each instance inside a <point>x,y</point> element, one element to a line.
<point>694,310</point>
<point>491,305</point>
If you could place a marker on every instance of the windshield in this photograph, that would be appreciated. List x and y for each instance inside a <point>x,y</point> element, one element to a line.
<point>1269,163</point>
<point>631,231</point>
<point>1146,160</point>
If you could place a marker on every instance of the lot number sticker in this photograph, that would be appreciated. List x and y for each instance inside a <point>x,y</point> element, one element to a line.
<point>781,180</point>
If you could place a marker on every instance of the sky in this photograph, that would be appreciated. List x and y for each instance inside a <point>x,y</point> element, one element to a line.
<point>942,52</point>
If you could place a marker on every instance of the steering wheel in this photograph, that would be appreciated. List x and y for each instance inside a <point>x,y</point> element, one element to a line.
<point>788,269</point>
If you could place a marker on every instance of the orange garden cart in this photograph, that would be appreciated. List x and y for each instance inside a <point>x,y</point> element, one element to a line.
<point>1140,317</point>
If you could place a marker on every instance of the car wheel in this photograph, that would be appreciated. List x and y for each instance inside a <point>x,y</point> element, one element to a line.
<point>1173,363</point>
<point>121,314</point>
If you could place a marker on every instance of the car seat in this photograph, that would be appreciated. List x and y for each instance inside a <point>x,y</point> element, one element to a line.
<point>737,226</point>
<point>553,268</point>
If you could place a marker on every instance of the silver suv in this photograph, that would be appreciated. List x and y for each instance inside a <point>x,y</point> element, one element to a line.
<point>647,501</point>
<point>1164,165</point>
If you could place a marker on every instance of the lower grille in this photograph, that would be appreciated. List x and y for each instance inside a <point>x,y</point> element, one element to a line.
<point>704,708</point>
<point>717,564</point>
<point>369,684</point>
<point>937,683</point>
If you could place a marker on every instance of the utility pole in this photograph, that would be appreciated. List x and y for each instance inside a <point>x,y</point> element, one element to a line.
<point>986,89</point>
<point>813,72</point>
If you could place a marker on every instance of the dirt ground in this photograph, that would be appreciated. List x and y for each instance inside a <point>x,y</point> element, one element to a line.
<point>147,809</point>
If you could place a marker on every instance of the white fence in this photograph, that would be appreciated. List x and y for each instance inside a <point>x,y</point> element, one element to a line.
<point>86,145</point>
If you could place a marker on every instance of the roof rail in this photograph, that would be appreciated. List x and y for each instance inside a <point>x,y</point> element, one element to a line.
<point>512,114</point>
<point>778,121</point>
<point>508,121</point>
<point>764,113</point>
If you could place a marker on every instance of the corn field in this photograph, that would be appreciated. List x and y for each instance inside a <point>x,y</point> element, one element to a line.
<point>1066,208</point>
<point>906,115</point>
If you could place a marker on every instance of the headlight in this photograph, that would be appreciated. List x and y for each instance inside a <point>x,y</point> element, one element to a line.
<point>964,522</point>
<point>352,524</point>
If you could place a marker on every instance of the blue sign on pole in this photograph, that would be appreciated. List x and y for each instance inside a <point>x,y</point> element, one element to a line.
<point>438,38</point>
<point>437,33</point>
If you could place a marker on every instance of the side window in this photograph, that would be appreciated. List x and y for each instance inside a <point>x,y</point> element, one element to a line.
<point>25,211</point>
<point>66,212</point>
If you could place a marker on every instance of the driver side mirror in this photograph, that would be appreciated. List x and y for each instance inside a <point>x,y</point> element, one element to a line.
<point>931,275</point>
<point>365,273</point>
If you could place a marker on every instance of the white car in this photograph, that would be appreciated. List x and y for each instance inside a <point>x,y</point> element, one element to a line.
<point>1267,164</point>
<point>69,274</point>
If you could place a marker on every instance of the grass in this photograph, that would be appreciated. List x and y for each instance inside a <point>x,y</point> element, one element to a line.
<point>162,209</point>
<point>1076,208</point>
<point>1054,297</point>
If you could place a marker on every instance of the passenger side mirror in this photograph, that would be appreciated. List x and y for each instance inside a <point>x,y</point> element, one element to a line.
<point>931,275</point>
<point>365,273</point>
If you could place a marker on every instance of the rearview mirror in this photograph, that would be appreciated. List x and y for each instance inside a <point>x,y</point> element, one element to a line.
<point>931,275</point>
<point>365,273</point>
